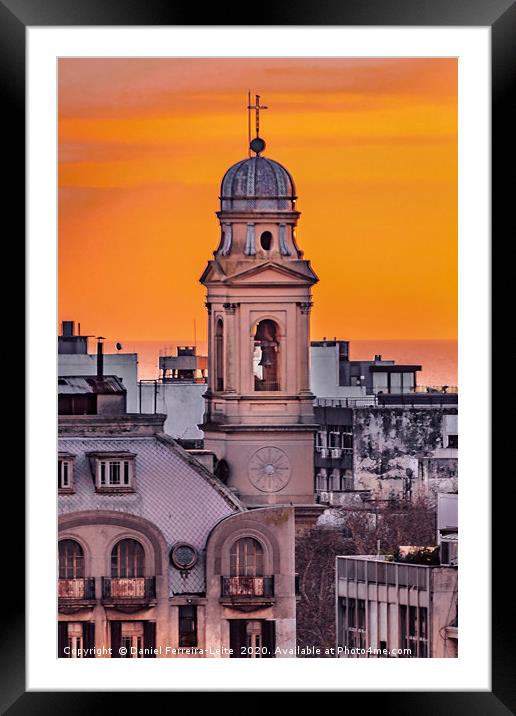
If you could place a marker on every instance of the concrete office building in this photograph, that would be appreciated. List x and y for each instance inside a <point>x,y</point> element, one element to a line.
<point>395,609</point>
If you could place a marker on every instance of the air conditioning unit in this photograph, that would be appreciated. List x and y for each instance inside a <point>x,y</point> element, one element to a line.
<point>336,452</point>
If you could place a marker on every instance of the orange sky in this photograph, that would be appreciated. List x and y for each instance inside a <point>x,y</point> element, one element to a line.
<point>372,146</point>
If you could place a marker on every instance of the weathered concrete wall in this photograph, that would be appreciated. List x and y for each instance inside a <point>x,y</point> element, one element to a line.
<point>439,474</point>
<point>443,625</point>
<point>395,451</point>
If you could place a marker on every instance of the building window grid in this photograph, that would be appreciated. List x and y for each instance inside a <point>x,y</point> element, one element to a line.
<point>336,481</point>
<point>354,622</point>
<point>322,481</point>
<point>321,440</point>
<point>188,626</point>
<point>413,622</point>
<point>127,560</point>
<point>75,640</point>
<point>64,474</point>
<point>254,639</point>
<point>132,638</point>
<point>115,473</point>
<point>394,381</point>
<point>414,630</point>
<point>335,436</point>
<point>71,559</point>
<point>246,558</point>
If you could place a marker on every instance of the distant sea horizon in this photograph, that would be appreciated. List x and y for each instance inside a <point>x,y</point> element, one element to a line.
<point>438,357</point>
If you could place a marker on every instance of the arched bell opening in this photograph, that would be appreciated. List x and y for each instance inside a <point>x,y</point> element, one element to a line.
<point>219,355</point>
<point>265,356</point>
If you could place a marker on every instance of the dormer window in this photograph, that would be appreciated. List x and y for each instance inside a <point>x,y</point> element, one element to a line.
<point>113,472</point>
<point>65,473</point>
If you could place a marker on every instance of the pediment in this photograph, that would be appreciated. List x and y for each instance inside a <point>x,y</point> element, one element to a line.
<point>269,273</point>
<point>212,272</point>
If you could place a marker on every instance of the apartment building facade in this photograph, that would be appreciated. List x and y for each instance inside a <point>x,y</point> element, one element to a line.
<point>157,558</point>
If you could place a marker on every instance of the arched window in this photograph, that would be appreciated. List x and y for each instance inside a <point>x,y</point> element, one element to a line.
<point>266,240</point>
<point>246,558</point>
<point>219,355</point>
<point>71,560</point>
<point>127,559</point>
<point>265,356</point>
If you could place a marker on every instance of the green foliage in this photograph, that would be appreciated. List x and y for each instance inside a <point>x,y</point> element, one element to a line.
<point>423,555</point>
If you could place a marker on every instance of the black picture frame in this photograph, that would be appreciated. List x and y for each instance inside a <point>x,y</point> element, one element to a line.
<point>500,16</point>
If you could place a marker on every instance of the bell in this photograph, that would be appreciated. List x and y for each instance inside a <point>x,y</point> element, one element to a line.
<point>265,360</point>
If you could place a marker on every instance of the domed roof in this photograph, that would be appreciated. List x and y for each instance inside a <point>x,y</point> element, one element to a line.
<point>257,183</point>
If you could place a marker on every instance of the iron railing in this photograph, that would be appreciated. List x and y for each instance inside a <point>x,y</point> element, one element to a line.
<point>247,586</point>
<point>437,389</point>
<point>415,399</point>
<point>76,588</point>
<point>128,588</point>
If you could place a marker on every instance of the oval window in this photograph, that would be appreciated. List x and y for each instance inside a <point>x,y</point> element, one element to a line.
<point>266,240</point>
<point>183,556</point>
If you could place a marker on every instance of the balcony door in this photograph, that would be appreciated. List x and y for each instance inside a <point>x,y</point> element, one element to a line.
<point>71,583</point>
<point>75,640</point>
<point>246,558</point>
<point>127,559</point>
<point>252,638</point>
<point>71,560</point>
<point>133,639</point>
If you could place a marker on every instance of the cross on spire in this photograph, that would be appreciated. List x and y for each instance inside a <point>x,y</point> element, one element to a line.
<point>257,144</point>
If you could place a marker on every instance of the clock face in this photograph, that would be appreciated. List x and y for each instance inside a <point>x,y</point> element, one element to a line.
<point>269,469</point>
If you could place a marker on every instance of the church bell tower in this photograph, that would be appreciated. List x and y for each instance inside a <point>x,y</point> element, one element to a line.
<point>259,417</point>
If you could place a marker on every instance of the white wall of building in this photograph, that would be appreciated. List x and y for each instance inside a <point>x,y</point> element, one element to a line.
<point>182,403</point>
<point>324,375</point>
<point>122,365</point>
<point>447,511</point>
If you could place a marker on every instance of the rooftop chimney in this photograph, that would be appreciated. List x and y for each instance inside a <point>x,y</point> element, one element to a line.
<point>100,357</point>
<point>68,328</point>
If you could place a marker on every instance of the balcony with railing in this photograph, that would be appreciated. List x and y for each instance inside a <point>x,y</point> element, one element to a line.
<point>247,591</point>
<point>128,591</point>
<point>76,592</point>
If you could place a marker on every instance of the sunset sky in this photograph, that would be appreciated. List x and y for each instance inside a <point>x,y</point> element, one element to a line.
<point>372,146</point>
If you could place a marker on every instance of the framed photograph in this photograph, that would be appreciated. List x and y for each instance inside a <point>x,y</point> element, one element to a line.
<point>264,252</point>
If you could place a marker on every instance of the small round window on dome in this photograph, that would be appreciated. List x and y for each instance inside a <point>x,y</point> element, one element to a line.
<point>266,240</point>
<point>183,556</point>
